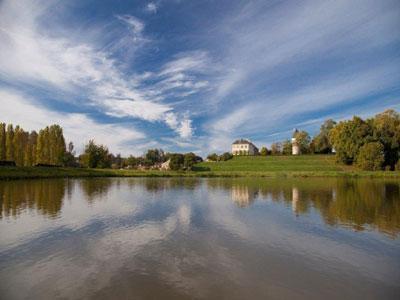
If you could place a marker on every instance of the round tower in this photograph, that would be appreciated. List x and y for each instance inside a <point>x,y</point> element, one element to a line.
<point>295,144</point>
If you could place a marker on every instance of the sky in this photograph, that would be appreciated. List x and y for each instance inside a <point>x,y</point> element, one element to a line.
<point>186,75</point>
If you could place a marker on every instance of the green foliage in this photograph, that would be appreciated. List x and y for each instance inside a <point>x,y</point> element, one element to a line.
<point>321,142</point>
<point>95,156</point>
<point>371,156</point>
<point>287,147</point>
<point>189,160</point>
<point>132,161</point>
<point>213,157</point>
<point>225,156</point>
<point>69,156</point>
<point>264,151</point>
<point>176,161</point>
<point>347,138</point>
<point>303,140</point>
<point>154,156</point>
<point>386,127</point>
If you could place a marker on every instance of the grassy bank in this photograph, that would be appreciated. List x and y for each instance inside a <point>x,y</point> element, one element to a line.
<point>272,166</point>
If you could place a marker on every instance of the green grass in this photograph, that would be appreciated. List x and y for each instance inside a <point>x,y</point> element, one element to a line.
<point>270,166</point>
<point>302,163</point>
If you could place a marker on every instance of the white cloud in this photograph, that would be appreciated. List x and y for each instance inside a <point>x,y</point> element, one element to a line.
<point>78,127</point>
<point>151,7</point>
<point>72,70</point>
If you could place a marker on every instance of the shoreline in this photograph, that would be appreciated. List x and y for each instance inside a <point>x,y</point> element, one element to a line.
<point>13,173</point>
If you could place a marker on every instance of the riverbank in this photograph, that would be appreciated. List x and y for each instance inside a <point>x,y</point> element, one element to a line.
<point>11,173</point>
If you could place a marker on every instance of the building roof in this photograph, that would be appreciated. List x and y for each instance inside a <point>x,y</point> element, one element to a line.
<point>241,141</point>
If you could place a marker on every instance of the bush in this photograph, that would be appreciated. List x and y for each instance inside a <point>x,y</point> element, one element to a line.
<point>225,156</point>
<point>264,151</point>
<point>371,156</point>
<point>213,157</point>
<point>397,167</point>
<point>176,161</point>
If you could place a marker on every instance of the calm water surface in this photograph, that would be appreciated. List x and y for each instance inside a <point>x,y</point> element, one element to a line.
<point>200,238</point>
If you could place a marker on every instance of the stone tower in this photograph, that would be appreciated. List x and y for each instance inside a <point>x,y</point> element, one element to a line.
<point>295,144</point>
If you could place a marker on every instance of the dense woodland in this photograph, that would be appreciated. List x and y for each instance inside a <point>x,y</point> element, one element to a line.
<point>371,144</point>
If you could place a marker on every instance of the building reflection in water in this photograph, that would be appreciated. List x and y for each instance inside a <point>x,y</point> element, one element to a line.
<point>356,203</point>
<point>243,195</point>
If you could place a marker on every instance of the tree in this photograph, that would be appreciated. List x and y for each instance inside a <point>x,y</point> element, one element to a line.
<point>95,156</point>
<point>264,151</point>
<point>176,161</point>
<point>10,142</point>
<point>347,137</point>
<point>276,148</point>
<point>132,161</point>
<point>30,150</point>
<point>154,156</point>
<point>287,147</point>
<point>69,156</point>
<point>213,157</point>
<point>371,156</point>
<point>386,130</point>
<point>321,142</point>
<point>225,156</point>
<point>19,144</point>
<point>3,141</point>
<point>303,140</point>
<point>189,160</point>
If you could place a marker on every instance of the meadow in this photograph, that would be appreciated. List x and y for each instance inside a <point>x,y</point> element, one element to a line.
<point>244,166</point>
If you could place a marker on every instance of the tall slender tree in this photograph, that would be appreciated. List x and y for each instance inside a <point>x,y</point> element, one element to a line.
<point>2,141</point>
<point>10,142</point>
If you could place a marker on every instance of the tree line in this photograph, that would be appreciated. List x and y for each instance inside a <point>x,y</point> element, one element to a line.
<point>31,148</point>
<point>371,144</point>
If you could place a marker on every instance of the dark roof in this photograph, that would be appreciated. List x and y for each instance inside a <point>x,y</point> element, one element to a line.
<point>241,141</point>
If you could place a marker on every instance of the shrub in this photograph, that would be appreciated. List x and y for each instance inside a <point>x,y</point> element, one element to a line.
<point>397,167</point>
<point>226,156</point>
<point>371,156</point>
<point>264,151</point>
<point>213,157</point>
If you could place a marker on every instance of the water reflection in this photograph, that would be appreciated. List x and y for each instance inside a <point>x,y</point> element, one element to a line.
<point>44,196</point>
<point>180,238</point>
<point>357,203</point>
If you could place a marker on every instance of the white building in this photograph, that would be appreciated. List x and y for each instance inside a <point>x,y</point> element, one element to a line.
<point>295,144</point>
<point>244,147</point>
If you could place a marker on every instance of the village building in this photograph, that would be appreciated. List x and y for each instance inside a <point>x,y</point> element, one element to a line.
<point>244,147</point>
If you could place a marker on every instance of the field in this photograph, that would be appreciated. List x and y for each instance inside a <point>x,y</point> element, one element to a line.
<point>303,163</point>
<point>270,166</point>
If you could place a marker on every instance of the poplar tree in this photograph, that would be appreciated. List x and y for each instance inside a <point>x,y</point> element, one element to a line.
<point>2,141</point>
<point>9,143</point>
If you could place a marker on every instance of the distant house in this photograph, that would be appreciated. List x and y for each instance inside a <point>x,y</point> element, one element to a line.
<point>244,147</point>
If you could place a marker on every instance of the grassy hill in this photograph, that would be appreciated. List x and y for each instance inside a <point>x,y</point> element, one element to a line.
<point>302,163</point>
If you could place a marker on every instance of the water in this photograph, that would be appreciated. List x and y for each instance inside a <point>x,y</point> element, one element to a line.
<point>200,238</point>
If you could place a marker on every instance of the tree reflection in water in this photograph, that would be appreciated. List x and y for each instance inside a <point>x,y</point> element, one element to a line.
<point>44,196</point>
<point>356,203</point>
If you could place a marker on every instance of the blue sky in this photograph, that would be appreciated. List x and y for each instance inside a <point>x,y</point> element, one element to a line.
<point>195,75</point>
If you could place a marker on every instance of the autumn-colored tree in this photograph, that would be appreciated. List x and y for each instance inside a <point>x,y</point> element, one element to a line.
<point>10,143</point>
<point>303,140</point>
<point>2,141</point>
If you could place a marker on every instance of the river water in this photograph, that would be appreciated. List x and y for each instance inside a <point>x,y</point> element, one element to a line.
<point>182,238</point>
